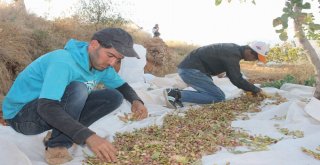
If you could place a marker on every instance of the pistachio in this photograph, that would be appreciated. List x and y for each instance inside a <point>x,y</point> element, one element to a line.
<point>186,136</point>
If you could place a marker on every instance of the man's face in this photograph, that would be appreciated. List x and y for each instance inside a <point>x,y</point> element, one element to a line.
<point>101,58</point>
<point>250,55</point>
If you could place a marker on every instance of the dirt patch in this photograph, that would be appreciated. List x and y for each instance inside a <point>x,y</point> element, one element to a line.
<point>263,73</point>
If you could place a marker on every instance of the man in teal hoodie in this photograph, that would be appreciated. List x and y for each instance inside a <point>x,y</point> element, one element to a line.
<point>56,92</point>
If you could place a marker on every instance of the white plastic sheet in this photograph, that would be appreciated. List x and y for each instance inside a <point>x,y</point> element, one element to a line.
<point>298,114</point>
<point>132,69</point>
<point>313,108</point>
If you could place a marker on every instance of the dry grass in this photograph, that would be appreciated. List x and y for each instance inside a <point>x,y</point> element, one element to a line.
<point>176,58</point>
<point>178,50</point>
<point>139,36</point>
<point>260,73</point>
<point>24,37</point>
<point>181,48</point>
<point>15,54</point>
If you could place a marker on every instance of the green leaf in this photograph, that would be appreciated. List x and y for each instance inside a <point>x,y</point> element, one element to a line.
<point>314,27</point>
<point>155,155</point>
<point>296,1</point>
<point>254,2</point>
<point>283,36</point>
<point>277,22</point>
<point>286,10</point>
<point>289,5</point>
<point>279,31</point>
<point>306,6</point>
<point>181,159</point>
<point>284,20</point>
<point>218,2</point>
<point>309,18</point>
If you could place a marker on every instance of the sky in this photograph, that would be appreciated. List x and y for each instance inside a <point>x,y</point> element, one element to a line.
<point>194,21</point>
<point>201,22</point>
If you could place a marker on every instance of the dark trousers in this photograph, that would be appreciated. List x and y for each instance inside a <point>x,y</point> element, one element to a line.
<point>77,102</point>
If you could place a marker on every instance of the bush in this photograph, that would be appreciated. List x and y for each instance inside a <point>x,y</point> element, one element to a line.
<point>311,81</point>
<point>286,52</point>
<point>279,83</point>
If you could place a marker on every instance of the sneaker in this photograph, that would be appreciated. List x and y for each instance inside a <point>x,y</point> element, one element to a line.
<point>57,155</point>
<point>172,96</point>
<point>47,137</point>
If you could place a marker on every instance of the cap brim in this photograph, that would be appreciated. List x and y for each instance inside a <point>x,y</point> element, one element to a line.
<point>128,52</point>
<point>132,53</point>
<point>262,58</point>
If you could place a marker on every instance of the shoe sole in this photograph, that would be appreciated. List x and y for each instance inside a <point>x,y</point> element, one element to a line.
<point>168,104</point>
<point>55,157</point>
<point>47,137</point>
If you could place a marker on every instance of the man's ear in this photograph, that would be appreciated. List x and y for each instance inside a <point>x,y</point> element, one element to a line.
<point>94,44</point>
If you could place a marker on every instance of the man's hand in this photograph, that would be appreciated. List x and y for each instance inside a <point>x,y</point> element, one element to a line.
<point>102,148</point>
<point>139,110</point>
<point>258,94</point>
<point>263,94</point>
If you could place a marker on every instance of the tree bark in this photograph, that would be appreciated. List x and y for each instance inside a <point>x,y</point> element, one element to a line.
<point>310,50</point>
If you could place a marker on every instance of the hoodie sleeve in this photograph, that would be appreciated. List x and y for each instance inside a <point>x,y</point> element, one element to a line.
<point>51,112</point>
<point>235,76</point>
<point>128,93</point>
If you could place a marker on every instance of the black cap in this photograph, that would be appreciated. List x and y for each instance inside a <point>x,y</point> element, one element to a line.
<point>116,38</point>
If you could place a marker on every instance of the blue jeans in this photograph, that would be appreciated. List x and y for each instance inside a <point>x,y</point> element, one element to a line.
<point>77,102</point>
<point>206,91</point>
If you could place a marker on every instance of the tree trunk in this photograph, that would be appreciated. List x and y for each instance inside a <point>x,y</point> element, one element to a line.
<point>315,61</point>
<point>310,50</point>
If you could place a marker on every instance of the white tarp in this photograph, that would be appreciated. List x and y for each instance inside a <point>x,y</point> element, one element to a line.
<point>132,69</point>
<point>297,114</point>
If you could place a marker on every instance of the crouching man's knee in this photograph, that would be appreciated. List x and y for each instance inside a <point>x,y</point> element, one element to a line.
<point>112,98</point>
<point>220,97</point>
<point>77,89</point>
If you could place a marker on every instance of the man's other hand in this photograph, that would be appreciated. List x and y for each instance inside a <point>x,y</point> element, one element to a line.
<point>139,110</point>
<point>103,149</point>
<point>261,93</point>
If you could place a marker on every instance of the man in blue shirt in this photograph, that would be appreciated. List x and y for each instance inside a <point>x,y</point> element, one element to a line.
<point>56,92</point>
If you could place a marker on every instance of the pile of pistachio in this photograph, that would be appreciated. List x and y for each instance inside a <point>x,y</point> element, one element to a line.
<point>185,137</point>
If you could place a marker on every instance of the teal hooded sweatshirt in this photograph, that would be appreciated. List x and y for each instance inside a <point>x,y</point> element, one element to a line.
<point>49,75</point>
